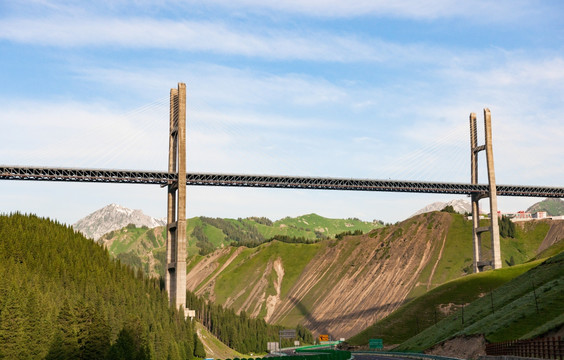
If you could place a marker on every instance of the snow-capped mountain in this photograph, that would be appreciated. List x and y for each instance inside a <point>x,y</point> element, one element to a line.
<point>460,206</point>
<point>114,217</point>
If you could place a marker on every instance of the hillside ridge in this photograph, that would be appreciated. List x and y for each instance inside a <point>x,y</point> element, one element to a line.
<point>553,207</point>
<point>335,286</point>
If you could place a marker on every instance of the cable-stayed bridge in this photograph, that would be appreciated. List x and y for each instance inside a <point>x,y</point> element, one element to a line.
<point>177,178</point>
<point>267,181</point>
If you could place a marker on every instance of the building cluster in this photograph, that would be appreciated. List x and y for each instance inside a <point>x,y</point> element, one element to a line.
<point>526,216</point>
<point>523,216</point>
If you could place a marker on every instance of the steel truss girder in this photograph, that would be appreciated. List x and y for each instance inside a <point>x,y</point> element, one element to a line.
<point>266,181</point>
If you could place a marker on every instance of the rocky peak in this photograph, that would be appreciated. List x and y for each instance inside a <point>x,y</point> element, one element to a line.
<point>114,217</point>
<point>460,206</point>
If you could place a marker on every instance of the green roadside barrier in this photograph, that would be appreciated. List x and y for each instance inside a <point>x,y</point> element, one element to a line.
<point>408,355</point>
<point>318,354</point>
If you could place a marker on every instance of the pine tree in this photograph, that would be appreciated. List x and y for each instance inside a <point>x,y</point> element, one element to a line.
<point>94,335</point>
<point>199,350</point>
<point>13,336</point>
<point>65,343</point>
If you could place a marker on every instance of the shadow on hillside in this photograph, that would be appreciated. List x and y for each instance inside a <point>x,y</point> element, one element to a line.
<point>321,325</point>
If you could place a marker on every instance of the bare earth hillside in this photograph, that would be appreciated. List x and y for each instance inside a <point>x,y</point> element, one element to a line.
<point>342,287</point>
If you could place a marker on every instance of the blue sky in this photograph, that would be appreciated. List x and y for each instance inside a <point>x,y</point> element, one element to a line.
<point>370,89</point>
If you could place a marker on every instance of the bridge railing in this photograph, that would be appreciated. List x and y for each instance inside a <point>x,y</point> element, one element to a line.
<point>266,181</point>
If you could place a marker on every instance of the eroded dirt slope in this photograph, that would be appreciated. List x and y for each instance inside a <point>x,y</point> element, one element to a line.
<point>350,285</point>
<point>342,288</point>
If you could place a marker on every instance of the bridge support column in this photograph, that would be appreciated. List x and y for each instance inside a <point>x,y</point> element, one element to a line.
<point>477,231</point>
<point>175,274</point>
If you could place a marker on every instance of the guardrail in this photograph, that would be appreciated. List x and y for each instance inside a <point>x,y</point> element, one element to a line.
<point>407,355</point>
<point>321,346</point>
<point>322,354</point>
<point>318,354</point>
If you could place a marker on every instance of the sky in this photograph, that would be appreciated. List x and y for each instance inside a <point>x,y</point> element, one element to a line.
<point>364,89</point>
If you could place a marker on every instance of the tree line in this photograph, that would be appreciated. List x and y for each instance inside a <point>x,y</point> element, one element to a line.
<point>241,233</point>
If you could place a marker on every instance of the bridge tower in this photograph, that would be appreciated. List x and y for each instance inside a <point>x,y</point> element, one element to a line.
<point>495,262</point>
<point>175,274</point>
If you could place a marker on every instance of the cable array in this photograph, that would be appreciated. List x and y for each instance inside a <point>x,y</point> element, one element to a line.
<point>451,151</point>
<point>223,141</point>
<point>97,138</point>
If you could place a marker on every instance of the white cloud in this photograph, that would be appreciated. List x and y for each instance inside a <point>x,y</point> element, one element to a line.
<point>216,37</point>
<point>214,85</point>
<point>479,10</point>
<point>197,36</point>
<point>298,123</point>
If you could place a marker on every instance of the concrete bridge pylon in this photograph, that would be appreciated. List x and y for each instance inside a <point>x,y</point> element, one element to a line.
<point>175,274</point>
<point>493,229</point>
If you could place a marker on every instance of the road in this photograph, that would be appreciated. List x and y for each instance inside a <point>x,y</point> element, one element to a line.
<point>376,357</point>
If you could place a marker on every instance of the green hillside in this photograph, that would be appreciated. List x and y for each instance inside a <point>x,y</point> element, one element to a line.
<point>62,296</point>
<point>554,207</point>
<point>250,263</point>
<point>529,305</point>
<point>450,264</point>
<point>434,306</point>
<point>311,274</point>
<point>144,248</point>
<point>313,226</point>
<point>521,301</point>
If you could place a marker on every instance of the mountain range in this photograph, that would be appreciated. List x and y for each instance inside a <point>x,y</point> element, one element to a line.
<point>114,217</point>
<point>325,274</point>
<point>333,284</point>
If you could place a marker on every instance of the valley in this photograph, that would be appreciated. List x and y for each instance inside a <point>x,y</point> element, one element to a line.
<point>406,283</point>
<point>339,285</point>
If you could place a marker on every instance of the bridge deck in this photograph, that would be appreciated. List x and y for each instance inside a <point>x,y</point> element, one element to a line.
<point>266,181</point>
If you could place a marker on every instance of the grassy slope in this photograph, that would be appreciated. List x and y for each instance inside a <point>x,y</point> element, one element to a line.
<point>306,226</point>
<point>251,264</point>
<point>529,236</point>
<point>551,251</point>
<point>514,312</point>
<point>331,276</point>
<point>423,311</point>
<point>214,347</point>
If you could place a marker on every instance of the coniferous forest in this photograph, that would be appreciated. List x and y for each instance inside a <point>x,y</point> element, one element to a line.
<point>240,332</point>
<point>62,297</point>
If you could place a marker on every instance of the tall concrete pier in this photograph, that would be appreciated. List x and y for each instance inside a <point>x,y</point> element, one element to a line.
<point>495,261</point>
<point>175,274</point>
